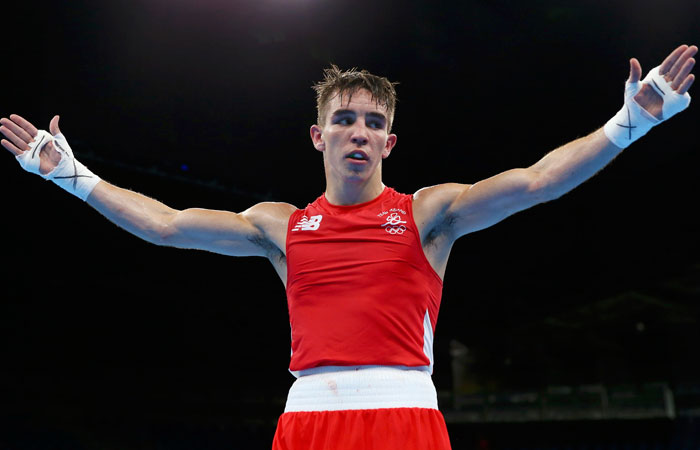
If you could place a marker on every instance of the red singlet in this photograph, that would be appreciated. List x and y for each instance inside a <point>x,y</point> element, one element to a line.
<point>360,290</point>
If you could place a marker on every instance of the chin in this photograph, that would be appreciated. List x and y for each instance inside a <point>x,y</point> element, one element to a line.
<point>356,178</point>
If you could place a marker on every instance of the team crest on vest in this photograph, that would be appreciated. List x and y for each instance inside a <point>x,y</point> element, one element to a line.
<point>394,223</point>
<point>308,223</point>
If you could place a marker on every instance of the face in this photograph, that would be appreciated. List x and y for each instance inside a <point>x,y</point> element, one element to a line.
<point>354,137</point>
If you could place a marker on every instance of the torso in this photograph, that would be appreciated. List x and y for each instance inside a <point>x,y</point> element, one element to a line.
<point>360,289</point>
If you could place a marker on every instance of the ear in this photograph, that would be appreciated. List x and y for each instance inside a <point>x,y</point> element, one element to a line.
<point>390,143</point>
<point>317,138</point>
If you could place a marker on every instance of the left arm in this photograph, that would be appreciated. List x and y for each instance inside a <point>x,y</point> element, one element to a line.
<point>457,209</point>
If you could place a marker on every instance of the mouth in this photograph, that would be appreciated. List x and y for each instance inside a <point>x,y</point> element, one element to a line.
<point>357,156</point>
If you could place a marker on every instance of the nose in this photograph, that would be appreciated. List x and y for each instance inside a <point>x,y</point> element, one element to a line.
<point>359,140</point>
<point>359,136</point>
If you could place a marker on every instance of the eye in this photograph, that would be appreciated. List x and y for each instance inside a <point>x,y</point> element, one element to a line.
<point>343,121</point>
<point>375,125</point>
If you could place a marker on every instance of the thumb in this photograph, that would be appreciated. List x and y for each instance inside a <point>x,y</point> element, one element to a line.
<point>635,71</point>
<point>53,126</point>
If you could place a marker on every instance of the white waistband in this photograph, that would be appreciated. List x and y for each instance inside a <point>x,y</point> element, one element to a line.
<point>362,388</point>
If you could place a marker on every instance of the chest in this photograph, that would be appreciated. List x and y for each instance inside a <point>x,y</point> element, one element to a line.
<point>315,227</point>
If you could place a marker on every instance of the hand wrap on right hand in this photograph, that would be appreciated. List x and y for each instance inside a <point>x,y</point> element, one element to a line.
<point>69,174</point>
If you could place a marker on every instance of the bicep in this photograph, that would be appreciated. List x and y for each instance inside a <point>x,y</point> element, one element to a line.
<point>459,209</point>
<point>491,200</point>
<point>228,233</point>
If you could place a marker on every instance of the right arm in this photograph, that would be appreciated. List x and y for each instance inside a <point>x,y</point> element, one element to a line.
<point>258,231</point>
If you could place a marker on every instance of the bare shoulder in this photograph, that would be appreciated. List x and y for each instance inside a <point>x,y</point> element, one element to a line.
<point>431,205</point>
<point>269,217</point>
<point>265,211</point>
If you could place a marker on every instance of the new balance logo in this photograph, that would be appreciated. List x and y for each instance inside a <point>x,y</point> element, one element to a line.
<point>308,223</point>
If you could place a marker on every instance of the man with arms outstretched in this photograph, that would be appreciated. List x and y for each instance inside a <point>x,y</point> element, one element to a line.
<point>363,264</point>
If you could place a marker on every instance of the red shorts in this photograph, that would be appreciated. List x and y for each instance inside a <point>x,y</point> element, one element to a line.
<point>362,408</point>
<point>362,429</point>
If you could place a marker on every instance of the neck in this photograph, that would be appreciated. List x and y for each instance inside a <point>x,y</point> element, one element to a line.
<point>352,193</point>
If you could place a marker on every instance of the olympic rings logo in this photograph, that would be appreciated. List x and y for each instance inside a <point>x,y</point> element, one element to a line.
<point>395,230</point>
<point>393,224</point>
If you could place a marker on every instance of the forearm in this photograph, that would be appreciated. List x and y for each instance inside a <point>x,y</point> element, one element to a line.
<point>139,215</point>
<point>571,164</point>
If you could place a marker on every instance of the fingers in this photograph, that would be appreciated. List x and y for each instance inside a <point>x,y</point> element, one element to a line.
<point>17,138</point>
<point>685,85</point>
<point>635,71</point>
<point>682,74</point>
<point>24,123</point>
<point>11,147</point>
<point>53,126</point>
<point>14,133</point>
<point>680,63</point>
<point>677,66</point>
<point>17,143</point>
<point>671,59</point>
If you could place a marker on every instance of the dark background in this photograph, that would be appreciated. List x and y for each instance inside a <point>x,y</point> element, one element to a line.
<point>105,338</point>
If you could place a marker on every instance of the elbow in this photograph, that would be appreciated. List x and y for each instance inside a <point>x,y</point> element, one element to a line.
<point>164,236</point>
<point>543,187</point>
<point>165,232</point>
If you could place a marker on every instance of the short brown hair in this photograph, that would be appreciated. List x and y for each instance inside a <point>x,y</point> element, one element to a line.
<point>336,81</point>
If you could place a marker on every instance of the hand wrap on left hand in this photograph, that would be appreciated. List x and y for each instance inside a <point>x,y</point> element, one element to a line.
<point>633,121</point>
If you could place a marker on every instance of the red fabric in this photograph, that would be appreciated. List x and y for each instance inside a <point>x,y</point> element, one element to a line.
<point>362,429</point>
<point>359,284</point>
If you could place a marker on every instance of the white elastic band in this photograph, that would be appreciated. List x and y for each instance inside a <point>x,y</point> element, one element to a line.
<point>633,121</point>
<point>368,388</point>
<point>69,174</point>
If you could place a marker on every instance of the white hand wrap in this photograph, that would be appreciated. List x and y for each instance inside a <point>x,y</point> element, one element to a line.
<point>69,174</point>
<point>30,160</point>
<point>633,121</point>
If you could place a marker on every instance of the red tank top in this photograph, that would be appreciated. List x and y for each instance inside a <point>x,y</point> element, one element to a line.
<point>360,290</point>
